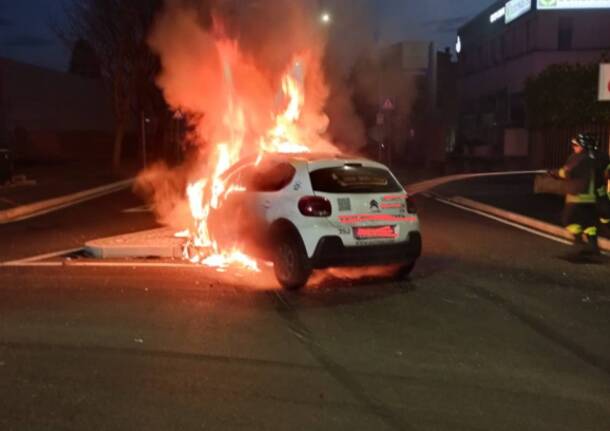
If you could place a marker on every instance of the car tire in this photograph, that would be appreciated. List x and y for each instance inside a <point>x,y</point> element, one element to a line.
<point>291,264</point>
<point>404,270</point>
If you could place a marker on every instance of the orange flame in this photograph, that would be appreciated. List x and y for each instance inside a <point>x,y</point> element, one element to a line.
<point>285,136</point>
<point>206,194</point>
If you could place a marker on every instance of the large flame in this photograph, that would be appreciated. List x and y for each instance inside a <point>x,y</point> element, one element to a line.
<point>287,134</point>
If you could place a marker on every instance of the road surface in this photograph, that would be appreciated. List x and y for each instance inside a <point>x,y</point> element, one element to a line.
<point>494,331</point>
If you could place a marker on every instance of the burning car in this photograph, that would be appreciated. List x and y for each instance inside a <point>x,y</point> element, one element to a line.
<point>266,181</point>
<point>310,211</point>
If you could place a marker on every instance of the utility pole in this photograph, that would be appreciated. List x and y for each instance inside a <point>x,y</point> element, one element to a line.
<point>143,121</point>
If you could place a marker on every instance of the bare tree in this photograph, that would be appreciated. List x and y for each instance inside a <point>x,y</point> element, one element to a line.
<point>117,30</point>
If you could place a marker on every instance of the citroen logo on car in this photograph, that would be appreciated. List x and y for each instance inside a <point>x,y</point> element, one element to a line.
<point>374,206</point>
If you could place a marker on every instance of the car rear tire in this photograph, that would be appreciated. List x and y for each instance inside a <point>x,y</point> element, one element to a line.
<point>405,269</point>
<point>291,264</point>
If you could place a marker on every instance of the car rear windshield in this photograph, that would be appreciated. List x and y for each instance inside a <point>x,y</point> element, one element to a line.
<point>354,179</point>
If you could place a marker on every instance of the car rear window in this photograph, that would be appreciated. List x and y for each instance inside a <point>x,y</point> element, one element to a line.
<point>354,179</point>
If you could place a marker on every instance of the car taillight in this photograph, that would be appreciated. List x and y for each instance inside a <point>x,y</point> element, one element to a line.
<point>315,206</point>
<point>411,208</point>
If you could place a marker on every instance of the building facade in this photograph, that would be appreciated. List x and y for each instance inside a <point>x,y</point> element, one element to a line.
<point>503,46</point>
<point>46,114</point>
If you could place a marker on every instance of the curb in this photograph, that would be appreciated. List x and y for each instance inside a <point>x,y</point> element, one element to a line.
<point>35,209</point>
<point>159,243</point>
<point>532,223</point>
<point>133,252</point>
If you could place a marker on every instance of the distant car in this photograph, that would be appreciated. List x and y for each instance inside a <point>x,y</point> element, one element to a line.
<point>312,211</point>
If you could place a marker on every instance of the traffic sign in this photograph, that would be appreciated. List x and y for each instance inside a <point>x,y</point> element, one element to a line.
<point>388,105</point>
<point>604,82</point>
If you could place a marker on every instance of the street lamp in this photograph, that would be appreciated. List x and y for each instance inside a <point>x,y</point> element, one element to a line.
<point>326,18</point>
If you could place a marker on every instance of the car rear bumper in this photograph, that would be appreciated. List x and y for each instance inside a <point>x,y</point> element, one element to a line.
<point>331,252</point>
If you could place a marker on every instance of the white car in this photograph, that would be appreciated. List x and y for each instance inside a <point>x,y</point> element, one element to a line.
<point>312,211</point>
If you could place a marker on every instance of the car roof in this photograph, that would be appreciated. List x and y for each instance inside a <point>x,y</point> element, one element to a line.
<point>309,160</point>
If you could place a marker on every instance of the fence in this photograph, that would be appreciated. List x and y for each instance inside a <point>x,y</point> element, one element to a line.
<point>549,148</point>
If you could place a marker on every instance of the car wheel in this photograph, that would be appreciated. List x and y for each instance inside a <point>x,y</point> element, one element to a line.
<point>291,264</point>
<point>404,270</point>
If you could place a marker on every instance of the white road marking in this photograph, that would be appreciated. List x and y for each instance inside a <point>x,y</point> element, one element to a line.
<point>41,257</point>
<point>503,221</point>
<point>140,209</point>
<point>28,263</point>
<point>36,209</point>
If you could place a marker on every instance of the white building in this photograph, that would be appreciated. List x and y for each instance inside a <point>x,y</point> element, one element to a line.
<point>503,46</point>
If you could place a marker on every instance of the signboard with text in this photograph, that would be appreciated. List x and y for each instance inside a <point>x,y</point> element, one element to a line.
<point>573,4</point>
<point>516,8</point>
<point>604,82</point>
<point>497,15</point>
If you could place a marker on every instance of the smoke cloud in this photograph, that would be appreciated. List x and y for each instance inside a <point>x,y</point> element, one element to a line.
<point>219,55</point>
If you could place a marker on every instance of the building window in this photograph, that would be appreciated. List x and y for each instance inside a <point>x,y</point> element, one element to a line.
<point>564,35</point>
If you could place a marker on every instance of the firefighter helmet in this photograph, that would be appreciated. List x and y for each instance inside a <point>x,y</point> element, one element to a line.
<point>586,141</point>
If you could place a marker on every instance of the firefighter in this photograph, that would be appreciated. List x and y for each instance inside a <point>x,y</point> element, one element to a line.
<point>580,212</point>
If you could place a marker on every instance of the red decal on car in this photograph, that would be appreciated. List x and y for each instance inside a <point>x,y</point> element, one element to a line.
<point>390,206</point>
<point>351,219</point>
<point>395,197</point>
<point>376,232</point>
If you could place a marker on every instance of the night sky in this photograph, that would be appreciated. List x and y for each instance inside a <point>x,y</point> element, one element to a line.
<point>26,25</point>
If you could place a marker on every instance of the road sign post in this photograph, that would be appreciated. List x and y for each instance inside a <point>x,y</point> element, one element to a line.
<point>604,87</point>
<point>604,82</point>
<point>385,149</point>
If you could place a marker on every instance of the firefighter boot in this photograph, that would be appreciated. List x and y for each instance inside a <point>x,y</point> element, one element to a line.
<point>604,227</point>
<point>592,246</point>
<point>578,249</point>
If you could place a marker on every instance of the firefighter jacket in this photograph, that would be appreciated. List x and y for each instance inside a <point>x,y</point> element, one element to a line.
<point>579,171</point>
<point>602,176</point>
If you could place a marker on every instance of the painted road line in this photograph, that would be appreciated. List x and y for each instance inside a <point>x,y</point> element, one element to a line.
<point>40,257</point>
<point>520,219</point>
<point>104,264</point>
<point>100,264</point>
<point>37,209</point>
<point>503,221</point>
<point>140,209</point>
<point>537,227</point>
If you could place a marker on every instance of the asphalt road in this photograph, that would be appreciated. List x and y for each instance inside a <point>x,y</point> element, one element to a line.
<point>494,331</point>
<point>509,192</point>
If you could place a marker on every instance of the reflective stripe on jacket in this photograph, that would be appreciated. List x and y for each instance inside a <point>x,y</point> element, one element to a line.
<point>579,171</point>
